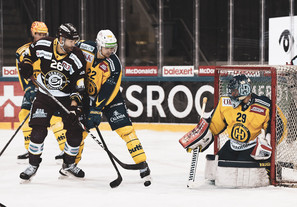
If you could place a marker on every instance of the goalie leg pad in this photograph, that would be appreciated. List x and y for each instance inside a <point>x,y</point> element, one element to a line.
<point>26,129</point>
<point>134,146</point>
<point>211,167</point>
<point>240,174</point>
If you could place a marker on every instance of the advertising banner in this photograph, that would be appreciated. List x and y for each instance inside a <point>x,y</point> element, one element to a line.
<point>282,40</point>
<point>9,71</point>
<point>141,71</point>
<point>178,71</point>
<point>167,101</point>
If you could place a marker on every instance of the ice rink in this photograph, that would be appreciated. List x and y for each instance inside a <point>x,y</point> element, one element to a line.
<point>169,164</point>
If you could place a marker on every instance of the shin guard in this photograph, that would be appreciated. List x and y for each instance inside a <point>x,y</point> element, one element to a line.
<point>59,131</point>
<point>26,129</point>
<point>134,146</point>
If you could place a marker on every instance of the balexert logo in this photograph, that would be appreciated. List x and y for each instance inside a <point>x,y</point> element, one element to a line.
<point>186,71</point>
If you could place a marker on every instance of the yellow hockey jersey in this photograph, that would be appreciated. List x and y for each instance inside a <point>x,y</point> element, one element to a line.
<point>19,58</point>
<point>243,123</point>
<point>103,75</point>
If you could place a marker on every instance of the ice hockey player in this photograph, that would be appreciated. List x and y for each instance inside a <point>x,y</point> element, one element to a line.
<point>38,31</point>
<point>104,73</point>
<point>243,115</point>
<point>62,73</point>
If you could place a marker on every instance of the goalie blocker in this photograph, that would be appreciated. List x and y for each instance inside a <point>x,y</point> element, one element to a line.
<point>200,137</point>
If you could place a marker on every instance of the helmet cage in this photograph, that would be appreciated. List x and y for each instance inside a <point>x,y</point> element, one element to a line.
<point>238,89</point>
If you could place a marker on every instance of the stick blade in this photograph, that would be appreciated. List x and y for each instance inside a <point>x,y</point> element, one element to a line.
<point>116,182</point>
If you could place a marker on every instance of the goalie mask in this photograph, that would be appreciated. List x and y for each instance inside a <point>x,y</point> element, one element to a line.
<point>239,88</point>
<point>105,38</point>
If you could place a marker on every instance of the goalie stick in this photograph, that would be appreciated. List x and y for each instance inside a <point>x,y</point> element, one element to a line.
<point>194,161</point>
<point>18,129</point>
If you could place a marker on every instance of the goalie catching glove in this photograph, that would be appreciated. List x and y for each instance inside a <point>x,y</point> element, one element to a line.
<point>263,149</point>
<point>200,137</point>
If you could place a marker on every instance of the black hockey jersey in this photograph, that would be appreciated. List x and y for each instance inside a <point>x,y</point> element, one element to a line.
<point>61,74</point>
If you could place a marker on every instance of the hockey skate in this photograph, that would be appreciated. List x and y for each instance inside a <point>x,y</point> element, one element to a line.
<point>23,156</point>
<point>59,156</point>
<point>71,170</point>
<point>145,175</point>
<point>29,172</point>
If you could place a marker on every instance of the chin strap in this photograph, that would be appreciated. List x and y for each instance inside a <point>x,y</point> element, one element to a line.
<point>62,44</point>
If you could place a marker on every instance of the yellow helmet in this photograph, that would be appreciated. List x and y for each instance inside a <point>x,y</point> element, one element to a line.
<point>39,27</point>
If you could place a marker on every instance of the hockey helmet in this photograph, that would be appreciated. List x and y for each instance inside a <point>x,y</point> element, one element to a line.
<point>68,31</point>
<point>39,27</point>
<point>105,38</point>
<point>239,88</point>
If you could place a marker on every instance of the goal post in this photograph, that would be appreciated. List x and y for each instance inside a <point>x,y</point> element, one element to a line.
<point>279,83</point>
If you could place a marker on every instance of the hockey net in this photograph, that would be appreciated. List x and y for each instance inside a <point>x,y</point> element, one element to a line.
<point>279,84</point>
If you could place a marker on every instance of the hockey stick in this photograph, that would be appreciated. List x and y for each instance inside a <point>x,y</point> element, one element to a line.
<point>18,129</point>
<point>124,165</point>
<point>119,179</point>
<point>192,174</point>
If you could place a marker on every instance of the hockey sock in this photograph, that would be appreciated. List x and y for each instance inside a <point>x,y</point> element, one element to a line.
<point>59,131</point>
<point>133,144</point>
<point>35,151</point>
<point>26,129</point>
<point>70,153</point>
<point>81,148</point>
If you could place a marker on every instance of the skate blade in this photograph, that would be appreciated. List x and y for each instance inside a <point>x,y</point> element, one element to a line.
<point>25,181</point>
<point>67,175</point>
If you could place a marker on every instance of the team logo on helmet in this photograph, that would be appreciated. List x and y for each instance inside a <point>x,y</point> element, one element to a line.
<point>239,88</point>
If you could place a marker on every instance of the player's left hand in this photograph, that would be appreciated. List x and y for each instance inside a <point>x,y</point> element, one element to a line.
<point>75,113</point>
<point>93,118</point>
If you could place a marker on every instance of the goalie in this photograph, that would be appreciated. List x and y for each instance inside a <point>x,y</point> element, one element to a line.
<point>243,115</point>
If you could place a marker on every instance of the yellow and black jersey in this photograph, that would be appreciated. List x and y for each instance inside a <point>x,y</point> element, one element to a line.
<point>103,75</point>
<point>245,122</point>
<point>61,74</point>
<point>19,58</point>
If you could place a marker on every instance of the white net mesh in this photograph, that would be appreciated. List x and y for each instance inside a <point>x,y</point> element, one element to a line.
<point>286,110</point>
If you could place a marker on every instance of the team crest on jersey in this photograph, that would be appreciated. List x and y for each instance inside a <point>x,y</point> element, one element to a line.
<point>55,80</point>
<point>258,109</point>
<point>226,102</point>
<point>91,87</point>
<point>240,133</point>
<point>104,66</point>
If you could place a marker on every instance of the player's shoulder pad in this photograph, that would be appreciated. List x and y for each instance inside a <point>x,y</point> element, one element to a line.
<point>46,42</point>
<point>262,100</point>
<point>23,48</point>
<point>78,57</point>
<point>114,62</point>
<point>89,46</point>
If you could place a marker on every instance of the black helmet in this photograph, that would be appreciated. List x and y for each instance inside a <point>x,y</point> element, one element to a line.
<point>239,88</point>
<point>68,31</point>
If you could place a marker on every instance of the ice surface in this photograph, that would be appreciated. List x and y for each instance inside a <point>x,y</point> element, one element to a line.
<point>169,164</point>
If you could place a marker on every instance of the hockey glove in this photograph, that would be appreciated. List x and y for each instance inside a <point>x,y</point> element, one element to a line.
<point>75,113</point>
<point>200,137</point>
<point>30,93</point>
<point>94,117</point>
<point>26,70</point>
<point>262,150</point>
